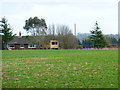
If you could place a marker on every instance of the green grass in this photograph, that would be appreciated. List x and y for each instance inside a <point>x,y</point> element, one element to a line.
<point>60,69</point>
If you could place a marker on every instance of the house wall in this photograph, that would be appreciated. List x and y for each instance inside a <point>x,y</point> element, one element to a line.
<point>17,47</point>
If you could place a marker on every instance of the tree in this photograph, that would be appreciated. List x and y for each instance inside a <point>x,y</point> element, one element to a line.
<point>7,32</point>
<point>37,27</point>
<point>79,42</point>
<point>119,42</point>
<point>66,38</point>
<point>86,43</point>
<point>97,38</point>
<point>113,42</point>
<point>51,31</point>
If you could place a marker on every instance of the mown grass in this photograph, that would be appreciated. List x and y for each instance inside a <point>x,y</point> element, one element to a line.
<point>60,69</point>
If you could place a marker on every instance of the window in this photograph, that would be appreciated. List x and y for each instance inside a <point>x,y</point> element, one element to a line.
<point>54,43</point>
<point>21,45</point>
<point>31,46</point>
<point>11,46</point>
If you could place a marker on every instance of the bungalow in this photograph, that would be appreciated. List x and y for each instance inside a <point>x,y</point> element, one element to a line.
<point>29,42</point>
<point>21,43</point>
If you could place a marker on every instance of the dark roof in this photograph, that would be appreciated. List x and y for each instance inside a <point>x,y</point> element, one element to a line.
<point>23,40</point>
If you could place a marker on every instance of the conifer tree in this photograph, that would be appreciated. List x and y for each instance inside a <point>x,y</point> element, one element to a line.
<point>7,32</point>
<point>97,38</point>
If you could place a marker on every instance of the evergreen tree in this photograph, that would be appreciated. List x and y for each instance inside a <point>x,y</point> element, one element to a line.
<point>97,38</point>
<point>78,41</point>
<point>7,33</point>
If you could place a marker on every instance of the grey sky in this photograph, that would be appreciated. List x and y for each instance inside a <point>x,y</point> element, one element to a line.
<point>83,13</point>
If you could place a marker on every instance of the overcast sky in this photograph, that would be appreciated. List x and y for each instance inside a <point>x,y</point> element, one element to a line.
<point>83,13</point>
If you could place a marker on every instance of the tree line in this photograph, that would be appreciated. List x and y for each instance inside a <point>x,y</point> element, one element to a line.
<point>38,29</point>
<point>112,42</point>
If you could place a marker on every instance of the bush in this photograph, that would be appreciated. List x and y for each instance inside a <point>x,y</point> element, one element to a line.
<point>79,47</point>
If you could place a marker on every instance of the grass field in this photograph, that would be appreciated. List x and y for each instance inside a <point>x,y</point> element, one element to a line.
<point>60,69</point>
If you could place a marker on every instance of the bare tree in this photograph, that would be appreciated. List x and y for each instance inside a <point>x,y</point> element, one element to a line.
<point>63,30</point>
<point>51,29</point>
<point>66,38</point>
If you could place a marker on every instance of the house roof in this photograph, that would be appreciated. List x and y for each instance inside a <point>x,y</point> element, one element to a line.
<point>23,40</point>
<point>31,39</point>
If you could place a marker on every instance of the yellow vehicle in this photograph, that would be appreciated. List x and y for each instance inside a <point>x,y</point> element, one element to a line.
<point>54,44</point>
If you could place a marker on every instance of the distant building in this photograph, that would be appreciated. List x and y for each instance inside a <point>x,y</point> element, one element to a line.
<point>29,42</point>
<point>21,43</point>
